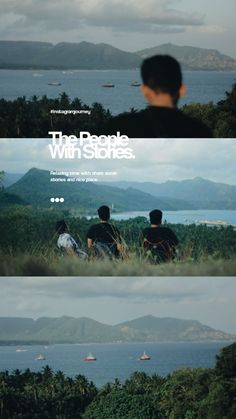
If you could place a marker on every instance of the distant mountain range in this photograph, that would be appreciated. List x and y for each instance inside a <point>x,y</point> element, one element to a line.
<point>84,330</point>
<point>86,55</point>
<point>36,189</point>
<point>198,192</point>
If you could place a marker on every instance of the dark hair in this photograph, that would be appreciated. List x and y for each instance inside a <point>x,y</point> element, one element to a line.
<point>104,213</point>
<point>61,227</point>
<point>162,73</point>
<point>155,216</point>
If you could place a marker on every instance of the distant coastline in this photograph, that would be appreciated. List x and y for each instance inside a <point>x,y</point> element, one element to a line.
<point>24,55</point>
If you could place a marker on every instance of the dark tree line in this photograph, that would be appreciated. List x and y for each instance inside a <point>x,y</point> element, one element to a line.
<point>31,118</point>
<point>191,393</point>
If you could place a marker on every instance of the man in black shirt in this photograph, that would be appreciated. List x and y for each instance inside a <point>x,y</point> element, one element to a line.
<point>162,87</point>
<point>104,237</point>
<point>159,241</point>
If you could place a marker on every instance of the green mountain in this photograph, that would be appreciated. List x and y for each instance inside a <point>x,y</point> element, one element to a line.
<point>86,55</point>
<point>83,55</point>
<point>198,192</point>
<point>36,189</point>
<point>84,330</point>
<point>193,58</point>
<point>10,178</point>
<point>8,199</point>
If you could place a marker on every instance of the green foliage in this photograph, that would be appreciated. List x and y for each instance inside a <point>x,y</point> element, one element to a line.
<point>226,362</point>
<point>185,394</point>
<point>220,117</point>
<point>43,395</point>
<point>32,118</point>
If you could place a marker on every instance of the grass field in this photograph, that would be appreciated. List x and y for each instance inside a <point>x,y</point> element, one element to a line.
<point>28,265</point>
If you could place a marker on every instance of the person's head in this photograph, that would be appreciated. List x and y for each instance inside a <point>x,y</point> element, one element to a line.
<point>104,213</point>
<point>162,80</point>
<point>61,227</point>
<point>155,217</point>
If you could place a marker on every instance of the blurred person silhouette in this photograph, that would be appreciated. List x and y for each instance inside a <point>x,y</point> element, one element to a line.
<point>162,86</point>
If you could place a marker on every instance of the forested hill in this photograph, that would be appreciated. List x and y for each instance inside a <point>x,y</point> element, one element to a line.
<point>200,193</point>
<point>86,55</point>
<point>36,189</point>
<point>85,330</point>
<point>193,58</point>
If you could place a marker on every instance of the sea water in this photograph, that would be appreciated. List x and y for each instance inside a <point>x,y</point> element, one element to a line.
<point>203,86</point>
<point>117,360</point>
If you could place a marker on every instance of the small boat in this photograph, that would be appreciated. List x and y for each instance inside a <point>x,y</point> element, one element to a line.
<point>90,357</point>
<point>135,84</point>
<point>40,358</point>
<point>144,357</point>
<point>108,85</point>
<point>54,83</point>
<point>21,350</point>
<point>37,75</point>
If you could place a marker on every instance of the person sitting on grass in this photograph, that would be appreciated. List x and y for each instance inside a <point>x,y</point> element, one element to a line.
<point>104,237</point>
<point>66,243</point>
<point>157,241</point>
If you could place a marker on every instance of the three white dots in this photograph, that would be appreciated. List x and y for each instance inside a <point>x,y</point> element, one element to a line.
<point>57,200</point>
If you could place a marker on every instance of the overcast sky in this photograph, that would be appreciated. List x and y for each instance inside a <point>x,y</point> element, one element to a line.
<point>113,300</point>
<point>156,160</point>
<point>127,24</point>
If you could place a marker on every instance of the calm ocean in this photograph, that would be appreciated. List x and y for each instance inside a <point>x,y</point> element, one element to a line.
<point>113,360</point>
<point>185,216</point>
<point>203,86</point>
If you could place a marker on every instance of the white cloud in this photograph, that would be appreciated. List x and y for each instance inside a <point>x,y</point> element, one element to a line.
<point>61,14</point>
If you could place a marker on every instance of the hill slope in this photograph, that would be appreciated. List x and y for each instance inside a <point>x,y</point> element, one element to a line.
<point>86,55</point>
<point>193,58</point>
<point>85,330</point>
<point>35,188</point>
<point>200,193</point>
<point>83,55</point>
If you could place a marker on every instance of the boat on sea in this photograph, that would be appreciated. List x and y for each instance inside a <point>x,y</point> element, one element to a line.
<point>90,357</point>
<point>21,350</point>
<point>40,358</point>
<point>144,357</point>
<point>108,85</point>
<point>135,84</point>
<point>54,83</point>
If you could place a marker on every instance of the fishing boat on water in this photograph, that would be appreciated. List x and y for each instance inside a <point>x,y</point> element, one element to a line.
<point>54,83</point>
<point>135,84</point>
<point>40,358</point>
<point>90,357</point>
<point>108,85</point>
<point>144,357</point>
<point>21,350</point>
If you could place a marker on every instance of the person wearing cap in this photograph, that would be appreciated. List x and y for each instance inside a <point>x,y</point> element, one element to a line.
<point>104,237</point>
<point>162,87</point>
<point>66,243</point>
<point>160,242</point>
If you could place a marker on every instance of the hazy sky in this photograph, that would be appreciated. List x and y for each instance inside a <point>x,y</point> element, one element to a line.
<point>113,300</point>
<point>126,24</point>
<point>156,160</point>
